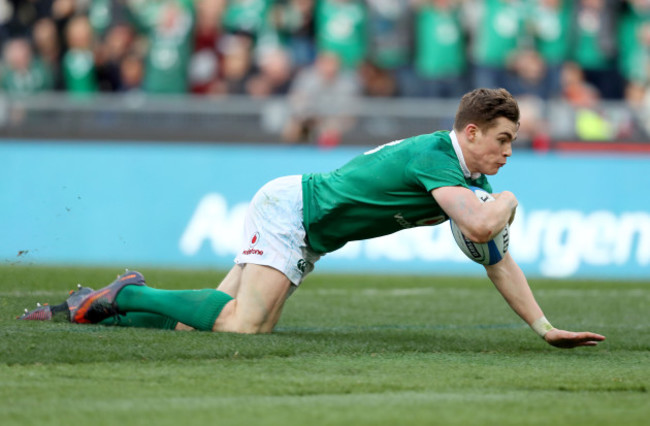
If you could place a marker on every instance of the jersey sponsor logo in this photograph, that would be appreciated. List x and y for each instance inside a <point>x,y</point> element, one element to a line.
<point>403,222</point>
<point>429,221</point>
<point>253,251</point>
<point>254,240</point>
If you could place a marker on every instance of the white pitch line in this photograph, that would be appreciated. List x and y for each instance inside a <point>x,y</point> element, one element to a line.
<point>387,291</point>
<point>25,293</point>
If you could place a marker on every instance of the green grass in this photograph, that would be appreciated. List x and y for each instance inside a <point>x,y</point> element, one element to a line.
<point>349,350</point>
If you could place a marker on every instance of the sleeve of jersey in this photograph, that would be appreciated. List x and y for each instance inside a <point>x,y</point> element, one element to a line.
<point>434,170</point>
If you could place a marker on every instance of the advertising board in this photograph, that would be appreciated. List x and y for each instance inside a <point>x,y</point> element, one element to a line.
<point>182,205</point>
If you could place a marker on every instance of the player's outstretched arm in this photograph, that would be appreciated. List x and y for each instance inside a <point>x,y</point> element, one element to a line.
<point>513,286</point>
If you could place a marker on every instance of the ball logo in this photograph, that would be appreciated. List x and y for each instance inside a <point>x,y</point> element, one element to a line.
<point>254,240</point>
<point>487,253</point>
<point>471,248</point>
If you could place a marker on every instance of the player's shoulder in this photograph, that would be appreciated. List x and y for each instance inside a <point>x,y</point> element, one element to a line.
<point>426,143</point>
<point>432,143</point>
<point>440,136</point>
<point>427,147</point>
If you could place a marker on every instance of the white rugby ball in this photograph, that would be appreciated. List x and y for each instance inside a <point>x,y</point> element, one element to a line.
<point>484,253</point>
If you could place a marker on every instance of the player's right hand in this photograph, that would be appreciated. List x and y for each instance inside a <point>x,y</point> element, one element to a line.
<point>570,339</point>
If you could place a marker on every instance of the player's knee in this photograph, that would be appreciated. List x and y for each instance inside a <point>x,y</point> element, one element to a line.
<point>249,326</point>
<point>233,320</point>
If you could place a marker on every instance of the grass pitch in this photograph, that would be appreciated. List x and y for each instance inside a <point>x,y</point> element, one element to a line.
<point>349,350</point>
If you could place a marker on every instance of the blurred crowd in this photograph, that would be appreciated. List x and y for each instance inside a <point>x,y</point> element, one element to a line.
<point>581,51</point>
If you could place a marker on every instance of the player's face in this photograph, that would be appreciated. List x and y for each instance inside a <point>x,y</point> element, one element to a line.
<point>493,146</point>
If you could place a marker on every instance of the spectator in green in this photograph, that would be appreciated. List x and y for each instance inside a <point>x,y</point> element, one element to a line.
<point>22,73</point>
<point>634,63</point>
<point>389,33</point>
<point>294,22</point>
<point>595,45</point>
<point>440,58</point>
<point>341,29</point>
<point>79,72</point>
<point>169,27</point>
<point>47,47</point>
<point>247,16</point>
<point>550,23</point>
<point>498,34</point>
<point>254,19</point>
<point>634,42</point>
<point>100,14</point>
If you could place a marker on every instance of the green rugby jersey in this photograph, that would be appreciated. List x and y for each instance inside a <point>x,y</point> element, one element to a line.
<point>382,191</point>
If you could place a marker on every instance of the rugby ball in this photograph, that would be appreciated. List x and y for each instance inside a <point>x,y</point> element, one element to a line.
<point>484,253</point>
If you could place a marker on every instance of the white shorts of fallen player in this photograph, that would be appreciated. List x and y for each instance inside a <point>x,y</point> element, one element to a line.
<point>274,234</point>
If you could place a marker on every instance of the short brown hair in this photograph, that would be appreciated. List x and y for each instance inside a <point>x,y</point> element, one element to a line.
<point>483,106</point>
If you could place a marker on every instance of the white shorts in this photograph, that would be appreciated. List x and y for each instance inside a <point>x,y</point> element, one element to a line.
<point>274,233</point>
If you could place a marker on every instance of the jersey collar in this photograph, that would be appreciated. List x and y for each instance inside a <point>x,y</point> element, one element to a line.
<point>461,159</point>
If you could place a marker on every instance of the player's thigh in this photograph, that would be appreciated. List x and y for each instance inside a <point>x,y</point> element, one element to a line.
<point>258,303</point>
<point>262,294</point>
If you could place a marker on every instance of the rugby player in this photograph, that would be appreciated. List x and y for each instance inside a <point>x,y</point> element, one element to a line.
<point>294,220</point>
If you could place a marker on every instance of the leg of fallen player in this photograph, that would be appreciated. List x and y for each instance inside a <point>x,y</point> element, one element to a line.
<point>260,296</point>
<point>258,303</point>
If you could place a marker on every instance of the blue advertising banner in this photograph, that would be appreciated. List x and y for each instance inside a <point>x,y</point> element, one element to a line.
<point>182,205</point>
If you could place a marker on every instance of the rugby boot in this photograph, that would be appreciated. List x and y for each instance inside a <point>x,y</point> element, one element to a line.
<point>41,313</point>
<point>64,311</point>
<point>100,304</point>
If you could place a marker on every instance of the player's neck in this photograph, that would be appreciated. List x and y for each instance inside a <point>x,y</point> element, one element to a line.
<point>466,156</point>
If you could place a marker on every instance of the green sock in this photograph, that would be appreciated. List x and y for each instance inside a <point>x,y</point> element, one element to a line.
<point>196,308</point>
<point>141,319</point>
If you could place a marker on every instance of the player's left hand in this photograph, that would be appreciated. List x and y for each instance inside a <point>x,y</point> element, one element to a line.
<point>570,339</point>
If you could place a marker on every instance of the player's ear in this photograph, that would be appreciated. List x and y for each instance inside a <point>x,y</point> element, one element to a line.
<point>470,132</point>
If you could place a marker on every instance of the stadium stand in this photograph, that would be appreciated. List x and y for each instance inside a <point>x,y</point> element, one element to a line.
<point>239,70</point>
